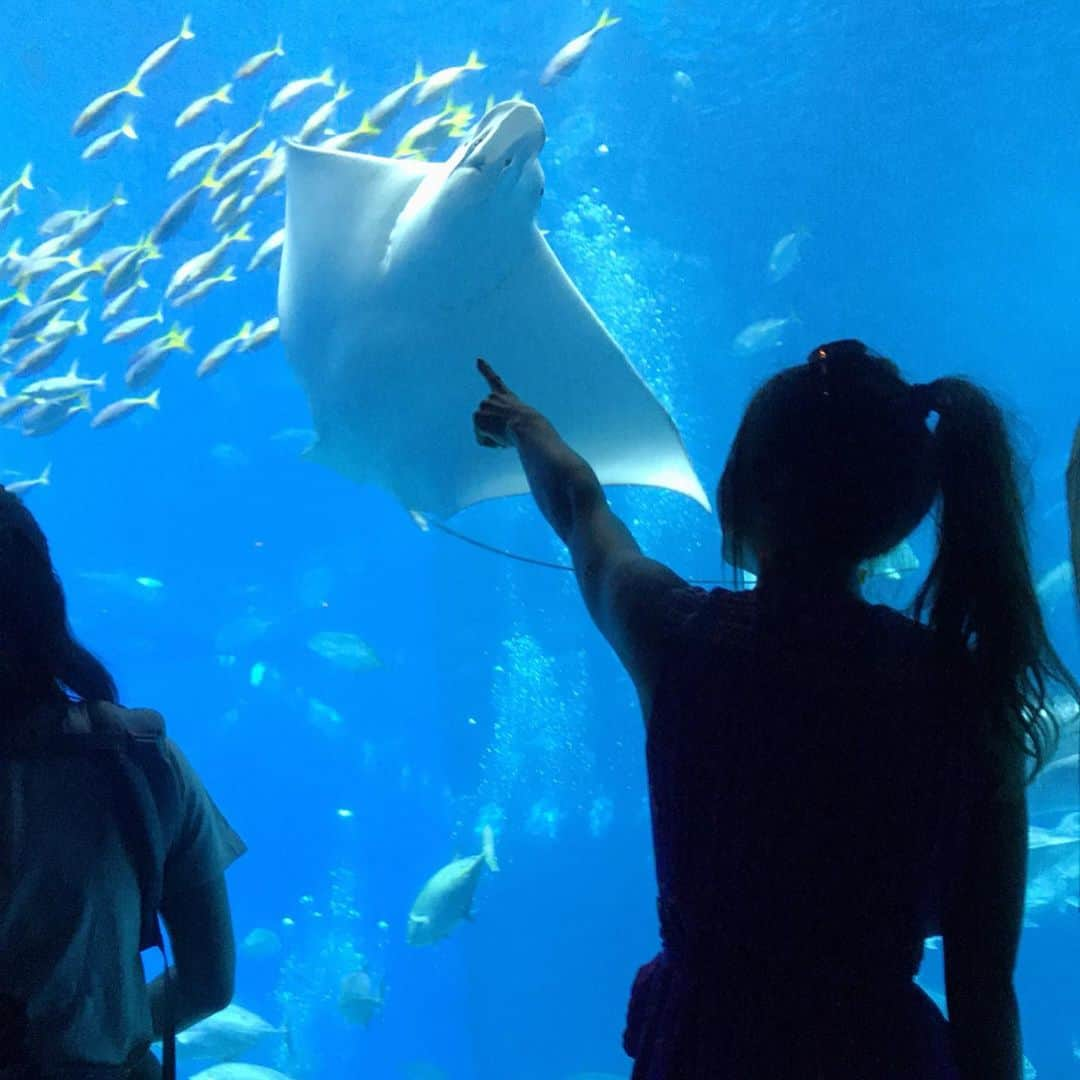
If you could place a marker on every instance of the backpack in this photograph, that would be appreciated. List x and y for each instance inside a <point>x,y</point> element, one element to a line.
<point>131,742</point>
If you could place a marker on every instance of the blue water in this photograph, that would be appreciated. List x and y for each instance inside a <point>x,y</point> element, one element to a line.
<point>926,149</point>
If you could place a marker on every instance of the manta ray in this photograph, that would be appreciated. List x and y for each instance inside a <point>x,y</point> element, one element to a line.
<point>397,274</point>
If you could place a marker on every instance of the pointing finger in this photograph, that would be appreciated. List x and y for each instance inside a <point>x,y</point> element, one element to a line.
<point>488,372</point>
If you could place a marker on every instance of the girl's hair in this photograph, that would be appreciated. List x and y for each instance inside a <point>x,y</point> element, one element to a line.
<point>39,655</point>
<point>834,461</point>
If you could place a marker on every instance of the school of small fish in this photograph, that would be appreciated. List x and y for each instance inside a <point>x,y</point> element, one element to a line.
<point>58,283</point>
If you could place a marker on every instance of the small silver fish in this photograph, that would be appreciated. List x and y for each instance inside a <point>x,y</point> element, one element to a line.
<point>119,409</point>
<point>259,61</point>
<point>101,106</point>
<point>201,288</point>
<point>10,194</point>
<point>292,90</point>
<point>785,254</point>
<point>763,334</point>
<point>346,140</point>
<point>387,108</point>
<point>573,52</point>
<point>88,226</point>
<point>272,175</point>
<point>441,81</point>
<point>115,306</point>
<point>163,52</point>
<point>193,157</point>
<point>212,360</point>
<point>270,246</point>
<point>21,487</point>
<point>201,105</point>
<point>104,143</point>
<point>262,334</point>
<point>130,327</point>
<point>199,266</point>
<point>178,214</point>
<point>317,121</point>
<point>48,416</point>
<point>64,386</point>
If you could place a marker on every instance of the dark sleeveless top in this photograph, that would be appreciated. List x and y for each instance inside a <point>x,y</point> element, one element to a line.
<point>810,772</point>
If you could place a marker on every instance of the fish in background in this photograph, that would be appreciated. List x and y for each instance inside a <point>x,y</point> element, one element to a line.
<point>104,143</point>
<point>124,407</point>
<point>193,157</point>
<point>268,249</point>
<point>9,197</point>
<point>387,108</point>
<point>235,1070</point>
<point>346,140</point>
<point>212,360</point>
<point>359,1001</point>
<point>254,65</point>
<point>567,59</point>
<point>441,81</point>
<point>260,336</point>
<point>230,1033</point>
<point>786,253</point>
<point>292,90</point>
<point>344,650</point>
<point>201,105</point>
<point>447,897</point>
<point>100,107</point>
<point>261,944</point>
<point>163,52</point>
<point>763,334</point>
<point>22,487</point>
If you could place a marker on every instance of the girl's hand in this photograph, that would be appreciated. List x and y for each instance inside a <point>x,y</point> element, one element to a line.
<point>500,412</point>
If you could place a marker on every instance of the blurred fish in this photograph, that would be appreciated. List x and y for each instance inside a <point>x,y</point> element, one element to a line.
<point>7,213</point>
<point>47,417</point>
<point>10,194</point>
<point>40,358</point>
<point>203,286</point>
<point>447,896</point>
<point>198,266</point>
<point>41,312</point>
<point>262,334</point>
<point>269,247</point>
<point>259,61</point>
<point>21,487</point>
<point>316,123</point>
<point>89,225</point>
<point>234,1070</point>
<point>226,209</point>
<point>126,271</point>
<point>12,406</point>
<point>567,59</point>
<point>260,943</point>
<point>104,143</point>
<point>425,135</point>
<point>118,303</point>
<point>101,106</point>
<point>72,279</point>
<point>31,269</point>
<point>239,171</point>
<point>130,327</point>
<point>230,1033</point>
<point>387,108</point>
<point>444,79</point>
<point>58,327</point>
<point>292,90</point>
<point>237,144</point>
<point>194,157</point>
<point>272,175</point>
<point>11,260</point>
<point>178,214</point>
<point>785,254</point>
<point>147,361</point>
<point>61,221</point>
<point>358,999</point>
<point>1055,585</point>
<point>7,305</point>
<point>763,334</point>
<point>163,52</point>
<point>346,140</point>
<point>325,717</point>
<point>214,357</point>
<point>201,105</point>
<point>53,246</point>
<point>346,650</point>
<point>64,386</point>
<point>118,410</point>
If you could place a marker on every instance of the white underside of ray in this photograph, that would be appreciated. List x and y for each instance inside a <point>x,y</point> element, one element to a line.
<point>387,357</point>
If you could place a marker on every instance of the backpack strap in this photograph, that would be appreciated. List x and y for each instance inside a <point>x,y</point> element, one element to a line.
<point>130,741</point>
